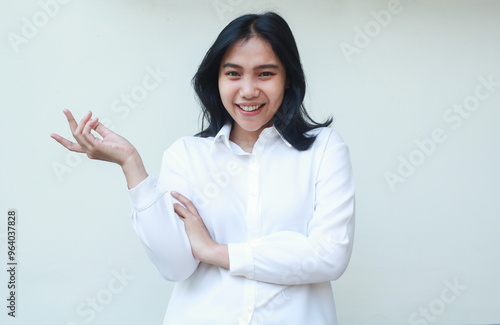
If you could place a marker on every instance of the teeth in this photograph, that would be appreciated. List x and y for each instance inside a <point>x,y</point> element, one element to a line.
<point>249,108</point>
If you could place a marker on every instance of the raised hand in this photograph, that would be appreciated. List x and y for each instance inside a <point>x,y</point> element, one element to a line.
<point>112,147</point>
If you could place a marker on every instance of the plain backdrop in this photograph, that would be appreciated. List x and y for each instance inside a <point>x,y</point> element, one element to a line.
<point>414,87</point>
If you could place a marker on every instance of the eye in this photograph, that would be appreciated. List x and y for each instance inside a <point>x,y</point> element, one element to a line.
<point>267,74</point>
<point>232,74</point>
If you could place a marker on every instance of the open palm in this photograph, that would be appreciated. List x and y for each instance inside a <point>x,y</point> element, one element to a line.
<point>112,147</point>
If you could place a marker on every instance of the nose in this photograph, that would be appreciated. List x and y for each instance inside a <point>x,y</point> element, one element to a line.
<point>249,88</point>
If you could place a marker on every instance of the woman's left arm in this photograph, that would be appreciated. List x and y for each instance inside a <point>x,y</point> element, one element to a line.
<point>288,257</point>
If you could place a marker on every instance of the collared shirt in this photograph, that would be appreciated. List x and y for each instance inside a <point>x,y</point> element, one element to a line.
<point>286,215</point>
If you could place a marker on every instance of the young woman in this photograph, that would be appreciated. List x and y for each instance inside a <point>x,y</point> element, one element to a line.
<point>254,216</point>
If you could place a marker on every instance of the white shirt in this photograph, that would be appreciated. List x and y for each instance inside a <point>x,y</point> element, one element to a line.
<point>286,215</point>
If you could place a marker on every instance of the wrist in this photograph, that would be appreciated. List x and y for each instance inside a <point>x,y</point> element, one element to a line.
<point>216,254</point>
<point>134,170</point>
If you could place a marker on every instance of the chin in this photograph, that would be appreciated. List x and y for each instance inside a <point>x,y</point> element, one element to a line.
<point>249,128</point>
<point>253,127</point>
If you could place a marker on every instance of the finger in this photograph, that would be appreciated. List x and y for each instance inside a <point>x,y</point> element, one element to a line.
<point>74,129</point>
<point>67,144</point>
<point>181,211</point>
<point>83,136</point>
<point>101,129</point>
<point>71,120</point>
<point>83,122</point>
<point>184,200</point>
<point>92,125</point>
<point>89,125</point>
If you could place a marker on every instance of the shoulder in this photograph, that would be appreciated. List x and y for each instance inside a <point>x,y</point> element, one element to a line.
<point>326,137</point>
<point>188,141</point>
<point>185,150</point>
<point>332,154</point>
<point>330,149</point>
<point>189,144</point>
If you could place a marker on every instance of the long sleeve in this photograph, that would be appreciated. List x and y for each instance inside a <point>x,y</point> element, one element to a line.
<point>287,217</point>
<point>323,253</point>
<point>157,225</point>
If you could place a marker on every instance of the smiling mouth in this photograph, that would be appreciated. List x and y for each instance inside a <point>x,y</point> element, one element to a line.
<point>250,108</point>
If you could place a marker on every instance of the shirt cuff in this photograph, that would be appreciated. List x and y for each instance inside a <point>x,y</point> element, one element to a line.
<point>144,194</point>
<point>241,260</point>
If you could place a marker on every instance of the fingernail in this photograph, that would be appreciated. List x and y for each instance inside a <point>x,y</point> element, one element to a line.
<point>173,192</point>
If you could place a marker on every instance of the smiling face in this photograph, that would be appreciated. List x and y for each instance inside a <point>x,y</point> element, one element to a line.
<point>251,85</point>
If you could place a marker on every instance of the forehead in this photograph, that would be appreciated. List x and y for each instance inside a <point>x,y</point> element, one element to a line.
<point>252,51</point>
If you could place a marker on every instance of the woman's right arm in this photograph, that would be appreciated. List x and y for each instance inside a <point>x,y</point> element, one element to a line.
<point>153,218</point>
<point>160,229</point>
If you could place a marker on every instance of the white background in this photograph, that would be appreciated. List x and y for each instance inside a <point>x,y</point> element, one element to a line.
<point>427,245</point>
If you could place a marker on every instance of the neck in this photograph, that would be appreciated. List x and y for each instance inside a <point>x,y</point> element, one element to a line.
<point>243,138</point>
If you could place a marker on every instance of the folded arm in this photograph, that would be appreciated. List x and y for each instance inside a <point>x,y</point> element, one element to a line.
<point>323,254</point>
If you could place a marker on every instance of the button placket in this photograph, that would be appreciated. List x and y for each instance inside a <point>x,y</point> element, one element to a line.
<point>253,197</point>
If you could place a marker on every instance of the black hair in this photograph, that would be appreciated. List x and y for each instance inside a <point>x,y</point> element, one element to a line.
<point>291,119</point>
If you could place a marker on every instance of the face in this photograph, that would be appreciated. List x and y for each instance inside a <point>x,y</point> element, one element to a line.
<point>251,84</point>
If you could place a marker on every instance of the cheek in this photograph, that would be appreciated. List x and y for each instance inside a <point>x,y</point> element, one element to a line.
<point>278,94</point>
<point>277,91</point>
<point>224,91</point>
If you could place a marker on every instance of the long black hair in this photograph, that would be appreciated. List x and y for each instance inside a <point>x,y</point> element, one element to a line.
<point>291,119</point>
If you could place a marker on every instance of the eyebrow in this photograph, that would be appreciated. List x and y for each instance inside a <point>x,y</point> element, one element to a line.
<point>259,67</point>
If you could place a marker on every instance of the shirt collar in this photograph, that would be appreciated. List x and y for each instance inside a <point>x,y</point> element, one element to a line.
<point>271,132</point>
<point>267,133</point>
<point>223,136</point>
